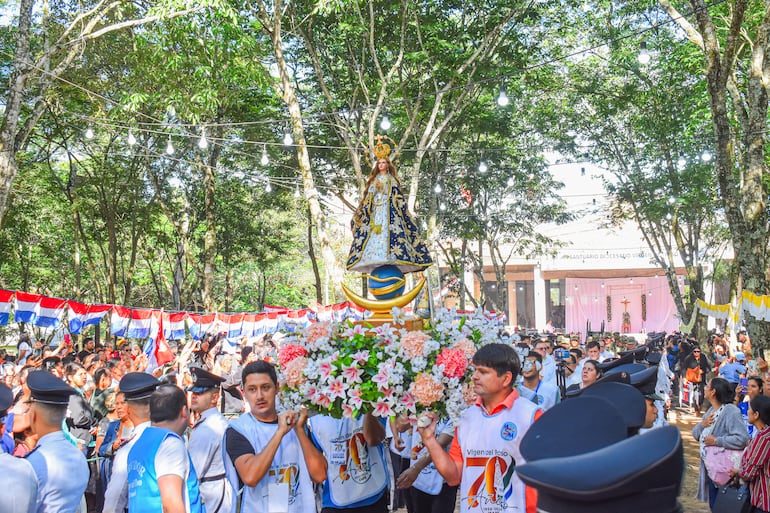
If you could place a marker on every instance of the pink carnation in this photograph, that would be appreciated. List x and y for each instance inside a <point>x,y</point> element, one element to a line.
<point>289,352</point>
<point>316,331</point>
<point>454,361</point>
<point>469,395</point>
<point>292,371</point>
<point>427,390</point>
<point>466,346</point>
<point>413,343</point>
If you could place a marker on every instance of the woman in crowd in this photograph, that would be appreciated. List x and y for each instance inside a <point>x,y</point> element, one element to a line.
<point>696,367</point>
<point>754,387</point>
<point>589,375</point>
<point>755,464</point>
<point>80,417</point>
<point>114,430</point>
<point>102,383</point>
<point>721,426</point>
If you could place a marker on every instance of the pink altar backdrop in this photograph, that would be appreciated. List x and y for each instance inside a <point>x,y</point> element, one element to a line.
<point>589,302</point>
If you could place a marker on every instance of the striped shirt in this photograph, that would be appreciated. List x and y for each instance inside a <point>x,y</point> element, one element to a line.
<point>755,468</point>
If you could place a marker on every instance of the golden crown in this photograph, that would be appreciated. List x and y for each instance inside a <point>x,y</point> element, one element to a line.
<point>382,148</point>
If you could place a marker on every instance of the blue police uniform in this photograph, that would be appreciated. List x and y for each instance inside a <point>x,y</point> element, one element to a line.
<point>143,490</point>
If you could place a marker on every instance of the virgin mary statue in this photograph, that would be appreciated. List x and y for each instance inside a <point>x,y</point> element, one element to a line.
<point>383,231</point>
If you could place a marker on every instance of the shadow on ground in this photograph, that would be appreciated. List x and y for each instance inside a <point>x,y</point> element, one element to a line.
<point>685,421</point>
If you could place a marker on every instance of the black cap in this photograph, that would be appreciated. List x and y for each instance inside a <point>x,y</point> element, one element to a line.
<point>593,423</point>
<point>138,385</point>
<point>628,401</point>
<point>204,380</point>
<point>611,364</point>
<point>46,388</point>
<point>645,381</point>
<point>637,353</point>
<point>653,358</point>
<point>614,377</point>
<point>636,475</point>
<point>6,398</point>
<point>628,368</point>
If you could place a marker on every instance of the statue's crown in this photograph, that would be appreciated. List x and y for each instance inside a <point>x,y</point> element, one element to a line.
<point>381,148</point>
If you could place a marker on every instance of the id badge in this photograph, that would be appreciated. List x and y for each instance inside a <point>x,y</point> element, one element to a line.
<point>278,497</point>
<point>339,453</point>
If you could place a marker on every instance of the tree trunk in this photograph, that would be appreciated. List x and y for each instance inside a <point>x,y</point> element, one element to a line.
<point>313,260</point>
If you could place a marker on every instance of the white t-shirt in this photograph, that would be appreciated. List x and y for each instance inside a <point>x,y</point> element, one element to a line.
<point>24,346</point>
<point>171,459</point>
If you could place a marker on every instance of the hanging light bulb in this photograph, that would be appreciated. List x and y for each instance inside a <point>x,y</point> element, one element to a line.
<point>385,123</point>
<point>264,160</point>
<point>502,98</point>
<point>131,138</point>
<point>631,281</point>
<point>169,147</point>
<point>89,132</point>
<point>705,156</point>
<point>287,140</point>
<point>442,207</point>
<point>644,55</point>
<point>649,293</point>
<point>510,182</point>
<point>483,167</point>
<point>296,192</point>
<point>681,162</point>
<point>671,200</point>
<point>437,188</point>
<point>602,284</point>
<point>203,143</point>
<point>668,216</point>
<point>268,188</point>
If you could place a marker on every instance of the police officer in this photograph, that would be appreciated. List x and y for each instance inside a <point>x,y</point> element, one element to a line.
<point>205,443</point>
<point>137,387</point>
<point>61,469</point>
<point>18,474</point>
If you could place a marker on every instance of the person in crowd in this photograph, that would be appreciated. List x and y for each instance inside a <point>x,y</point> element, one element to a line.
<point>88,348</point>
<point>755,463</point>
<point>499,417</point>
<point>357,473</point>
<point>161,476</point>
<point>137,387</point>
<point>532,387</point>
<point>696,367</point>
<point>61,469</point>
<point>54,365</point>
<point>102,388</point>
<point>427,491</point>
<point>113,431</point>
<point>271,453</point>
<point>542,346</point>
<point>733,369</point>
<point>721,426</point>
<point>398,438</point>
<point>589,375</point>
<point>24,349</point>
<point>19,477</point>
<point>754,387</point>
<point>205,443</point>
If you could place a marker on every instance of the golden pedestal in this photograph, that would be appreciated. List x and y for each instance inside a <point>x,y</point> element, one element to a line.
<point>409,324</point>
<point>381,307</point>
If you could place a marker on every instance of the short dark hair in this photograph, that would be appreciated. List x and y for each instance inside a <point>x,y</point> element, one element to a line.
<point>500,357</point>
<point>577,352</point>
<point>71,369</point>
<point>536,355</point>
<point>723,390</point>
<point>593,343</point>
<point>166,403</point>
<point>245,352</point>
<point>260,367</point>
<point>761,405</point>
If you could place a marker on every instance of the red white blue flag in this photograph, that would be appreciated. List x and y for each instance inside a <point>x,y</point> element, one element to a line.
<point>130,323</point>
<point>81,315</point>
<point>173,325</point>
<point>42,311</point>
<point>199,324</point>
<point>6,298</point>
<point>157,349</point>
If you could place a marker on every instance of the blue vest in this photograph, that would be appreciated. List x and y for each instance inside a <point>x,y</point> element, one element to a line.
<point>143,491</point>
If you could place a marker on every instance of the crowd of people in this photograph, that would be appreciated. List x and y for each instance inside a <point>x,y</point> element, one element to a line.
<point>91,430</point>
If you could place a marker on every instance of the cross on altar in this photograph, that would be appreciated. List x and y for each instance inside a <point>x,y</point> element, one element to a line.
<point>626,325</point>
<point>625,304</point>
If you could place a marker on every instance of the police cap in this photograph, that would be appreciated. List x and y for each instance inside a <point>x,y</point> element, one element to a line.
<point>46,388</point>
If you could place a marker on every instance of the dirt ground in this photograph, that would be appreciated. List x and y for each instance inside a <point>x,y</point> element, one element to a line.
<point>685,420</point>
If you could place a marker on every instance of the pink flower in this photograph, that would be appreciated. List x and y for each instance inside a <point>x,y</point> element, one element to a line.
<point>426,389</point>
<point>323,401</point>
<point>355,330</point>
<point>355,399</point>
<point>466,346</point>
<point>382,409</point>
<point>347,411</point>
<point>289,352</point>
<point>469,395</point>
<point>383,377</point>
<point>325,368</point>
<point>413,343</point>
<point>454,361</point>
<point>352,374</point>
<point>361,357</point>
<point>336,388</point>
<point>292,371</point>
<point>316,331</point>
<point>408,400</point>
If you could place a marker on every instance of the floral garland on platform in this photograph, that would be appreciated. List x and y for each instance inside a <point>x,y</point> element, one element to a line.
<point>609,308</point>
<point>644,307</point>
<point>345,370</point>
